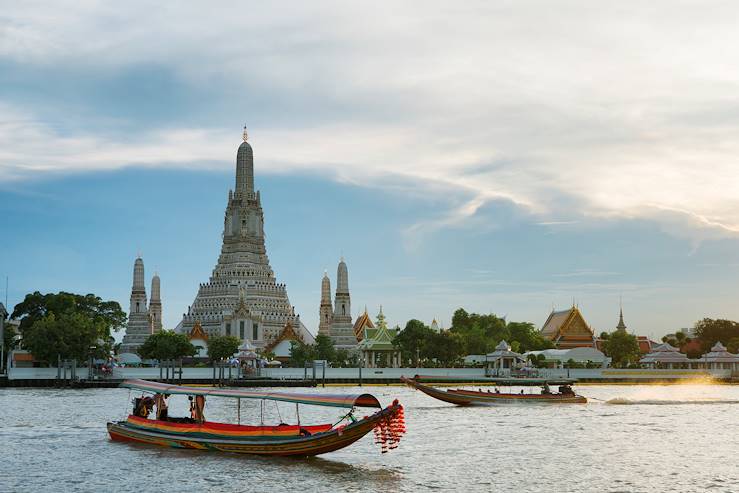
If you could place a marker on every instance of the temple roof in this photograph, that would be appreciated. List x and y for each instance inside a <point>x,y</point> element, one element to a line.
<point>363,322</point>
<point>197,332</point>
<point>287,333</point>
<point>503,350</point>
<point>719,354</point>
<point>564,324</point>
<point>380,338</point>
<point>665,353</point>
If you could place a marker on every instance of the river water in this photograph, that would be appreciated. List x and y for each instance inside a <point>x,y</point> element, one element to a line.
<point>628,438</point>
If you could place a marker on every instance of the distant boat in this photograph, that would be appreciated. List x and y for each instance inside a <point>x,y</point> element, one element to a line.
<point>463,397</point>
<point>283,439</point>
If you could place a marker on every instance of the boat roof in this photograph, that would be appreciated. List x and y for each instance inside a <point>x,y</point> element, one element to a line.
<point>507,381</point>
<point>332,400</point>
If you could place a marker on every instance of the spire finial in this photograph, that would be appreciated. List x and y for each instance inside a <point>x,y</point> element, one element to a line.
<point>245,135</point>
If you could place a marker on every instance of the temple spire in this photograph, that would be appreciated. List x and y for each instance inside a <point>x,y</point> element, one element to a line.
<point>325,312</point>
<point>244,170</point>
<point>621,325</point>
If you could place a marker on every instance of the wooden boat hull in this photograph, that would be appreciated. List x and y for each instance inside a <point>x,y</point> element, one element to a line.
<point>474,398</point>
<point>318,443</point>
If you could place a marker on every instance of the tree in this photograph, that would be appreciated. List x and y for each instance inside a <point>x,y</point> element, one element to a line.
<point>36,306</point>
<point>67,325</point>
<point>622,348</point>
<point>221,347</point>
<point>342,358</point>
<point>166,344</point>
<point>445,347</point>
<point>709,332</point>
<point>324,348</point>
<point>301,353</point>
<point>411,340</point>
<point>9,334</point>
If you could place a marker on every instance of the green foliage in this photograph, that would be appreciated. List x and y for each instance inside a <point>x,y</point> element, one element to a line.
<point>537,360</point>
<point>481,333</point>
<point>324,348</point>
<point>67,325</point>
<point>445,347</point>
<point>412,340</point>
<point>300,354</point>
<point>166,344</point>
<point>733,345</point>
<point>709,331</point>
<point>342,358</point>
<point>8,334</point>
<point>221,347</point>
<point>36,306</point>
<point>622,348</point>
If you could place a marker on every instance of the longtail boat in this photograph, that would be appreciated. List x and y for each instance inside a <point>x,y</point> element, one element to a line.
<point>284,439</point>
<point>462,397</point>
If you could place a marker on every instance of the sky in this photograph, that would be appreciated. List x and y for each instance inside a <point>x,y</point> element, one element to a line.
<point>504,157</point>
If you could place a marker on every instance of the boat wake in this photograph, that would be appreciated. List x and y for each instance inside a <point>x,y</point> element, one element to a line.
<point>623,401</point>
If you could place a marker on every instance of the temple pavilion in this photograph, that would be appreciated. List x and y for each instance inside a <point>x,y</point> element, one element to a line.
<point>503,358</point>
<point>666,356</point>
<point>719,358</point>
<point>568,329</point>
<point>377,348</point>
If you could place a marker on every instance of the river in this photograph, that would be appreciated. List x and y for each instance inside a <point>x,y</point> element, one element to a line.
<point>628,438</point>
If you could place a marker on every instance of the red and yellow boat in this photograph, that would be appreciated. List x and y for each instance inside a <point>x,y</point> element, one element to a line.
<point>462,397</point>
<point>283,439</point>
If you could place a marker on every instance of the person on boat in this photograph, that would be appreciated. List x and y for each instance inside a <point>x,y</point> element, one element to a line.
<point>497,390</point>
<point>566,390</point>
<point>545,389</point>
<point>162,409</point>
<point>198,407</point>
<point>143,406</point>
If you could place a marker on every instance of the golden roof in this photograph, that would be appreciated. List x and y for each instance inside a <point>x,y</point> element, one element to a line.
<point>197,332</point>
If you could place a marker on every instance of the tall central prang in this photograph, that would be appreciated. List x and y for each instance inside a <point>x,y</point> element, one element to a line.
<point>242,297</point>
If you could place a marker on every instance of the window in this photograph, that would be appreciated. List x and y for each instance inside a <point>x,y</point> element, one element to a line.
<point>241,330</point>
<point>228,329</point>
<point>343,309</point>
<point>255,332</point>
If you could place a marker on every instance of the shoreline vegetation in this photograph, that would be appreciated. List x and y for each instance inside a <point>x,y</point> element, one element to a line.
<point>64,326</point>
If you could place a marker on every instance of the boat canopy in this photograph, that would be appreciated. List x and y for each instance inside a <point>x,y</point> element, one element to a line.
<point>333,400</point>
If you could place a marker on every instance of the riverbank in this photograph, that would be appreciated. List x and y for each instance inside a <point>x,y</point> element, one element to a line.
<point>299,377</point>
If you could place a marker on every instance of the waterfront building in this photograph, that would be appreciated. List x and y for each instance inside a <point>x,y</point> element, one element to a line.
<point>377,348</point>
<point>503,358</point>
<point>719,358</point>
<point>568,329</point>
<point>242,298</point>
<point>364,321</point>
<point>139,324</point>
<point>666,356</point>
<point>199,339</point>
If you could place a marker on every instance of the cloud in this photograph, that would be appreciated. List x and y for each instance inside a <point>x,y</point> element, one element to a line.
<point>573,113</point>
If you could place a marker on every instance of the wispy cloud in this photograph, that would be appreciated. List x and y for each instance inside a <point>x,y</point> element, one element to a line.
<point>580,121</point>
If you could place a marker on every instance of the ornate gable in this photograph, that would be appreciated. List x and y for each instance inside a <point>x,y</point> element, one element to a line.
<point>568,329</point>
<point>363,322</point>
<point>197,332</point>
<point>288,333</point>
